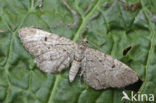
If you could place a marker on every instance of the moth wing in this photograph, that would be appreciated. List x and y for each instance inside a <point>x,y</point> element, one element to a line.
<point>102,71</point>
<point>52,53</point>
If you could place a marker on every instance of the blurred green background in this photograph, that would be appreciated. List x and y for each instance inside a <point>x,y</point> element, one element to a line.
<point>110,26</point>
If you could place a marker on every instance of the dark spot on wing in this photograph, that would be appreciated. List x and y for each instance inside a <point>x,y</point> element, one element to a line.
<point>100,60</point>
<point>45,39</point>
<point>113,66</point>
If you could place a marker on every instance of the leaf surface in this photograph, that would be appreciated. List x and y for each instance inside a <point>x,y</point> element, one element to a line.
<point>109,27</point>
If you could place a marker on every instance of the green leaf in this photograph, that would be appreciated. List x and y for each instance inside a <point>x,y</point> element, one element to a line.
<point>110,29</point>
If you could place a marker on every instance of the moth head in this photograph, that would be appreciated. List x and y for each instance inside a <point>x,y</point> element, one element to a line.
<point>85,40</point>
<point>83,43</point>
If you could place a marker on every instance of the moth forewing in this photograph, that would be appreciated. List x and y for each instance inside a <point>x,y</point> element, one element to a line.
<point>52,53</point>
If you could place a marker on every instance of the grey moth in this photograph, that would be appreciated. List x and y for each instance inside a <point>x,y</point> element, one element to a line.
<point>54,53</point>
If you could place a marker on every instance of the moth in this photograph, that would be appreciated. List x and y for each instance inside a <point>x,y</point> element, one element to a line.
<point>54,53</point>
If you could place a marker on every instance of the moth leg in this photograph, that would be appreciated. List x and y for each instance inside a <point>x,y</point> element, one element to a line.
<point>84,67</point>
<point>66,62</point>
<point>74,70</point>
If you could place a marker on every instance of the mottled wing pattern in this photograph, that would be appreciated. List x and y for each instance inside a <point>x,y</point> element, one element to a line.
<point>52,53</point>
<point>102,71</point>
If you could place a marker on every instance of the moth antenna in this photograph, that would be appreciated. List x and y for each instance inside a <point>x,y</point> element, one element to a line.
<point>92,44</point>
<point>81,37</point>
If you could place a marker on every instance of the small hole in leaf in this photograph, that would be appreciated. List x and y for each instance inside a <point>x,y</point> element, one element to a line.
<point>126,50</point>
